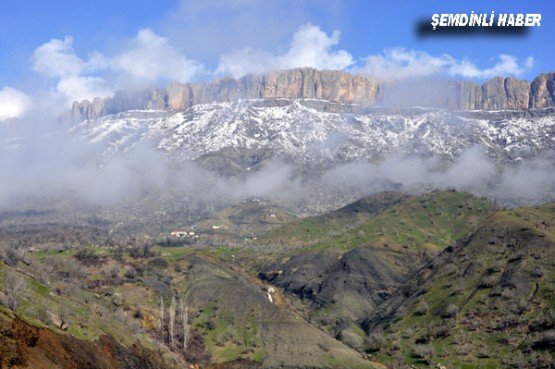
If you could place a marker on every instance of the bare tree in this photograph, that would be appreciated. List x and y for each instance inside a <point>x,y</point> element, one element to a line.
<point>162,318</point>
<point>63,315</point>
<point>14,287</point>
<point>172,322</point>
<point>184,321</point>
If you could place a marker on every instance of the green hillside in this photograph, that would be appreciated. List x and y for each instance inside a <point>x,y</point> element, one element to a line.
<point>439,279</point>
<point>487,301</point>
<point>126,300</point>
<point>430,221</point>
<point>363,252</point>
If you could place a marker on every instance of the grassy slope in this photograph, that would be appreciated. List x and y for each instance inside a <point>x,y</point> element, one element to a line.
<point>238,319</point>
<point>361,253</point>
<point>488,302</point>
<point>430,221</point>
<point>86,313</point>
<point>230,315</point>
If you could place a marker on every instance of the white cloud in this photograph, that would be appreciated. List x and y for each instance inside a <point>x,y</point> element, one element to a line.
<point>472,170</point>
<point>310,47</point>
<point>56,58</point>
<point>246,60</point>
<point>507,65</point>
<point>79,88</point>
<point>147,59</point>
<point>151,58</point>
<point>13,103</point>
<point>399,63</point>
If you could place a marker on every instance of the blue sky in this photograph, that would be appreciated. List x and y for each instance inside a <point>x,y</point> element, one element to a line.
<point>61,50</point>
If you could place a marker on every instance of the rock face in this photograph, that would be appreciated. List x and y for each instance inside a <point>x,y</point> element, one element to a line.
<point>467,95</point>
<point>505,94</point>
<point>498,93</point>
<point>542,91</point>
<point>303,83</point>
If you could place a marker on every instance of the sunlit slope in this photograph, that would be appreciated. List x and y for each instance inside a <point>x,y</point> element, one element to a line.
<point>126,301</point>
<point>487,301</point>
<point>237,317</point>
<point>363,252</point>
<point>393,220</point>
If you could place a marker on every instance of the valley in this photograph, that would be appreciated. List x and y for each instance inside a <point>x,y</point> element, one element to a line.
<point>260,222</point>
<point>438,278</point>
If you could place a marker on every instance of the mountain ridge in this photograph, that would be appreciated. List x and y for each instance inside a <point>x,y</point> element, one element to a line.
<point>498,93</point>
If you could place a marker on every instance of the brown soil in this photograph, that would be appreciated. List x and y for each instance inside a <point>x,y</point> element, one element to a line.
<point>25,346</point>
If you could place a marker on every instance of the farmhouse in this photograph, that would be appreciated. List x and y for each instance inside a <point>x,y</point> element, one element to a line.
<point>183,234</point>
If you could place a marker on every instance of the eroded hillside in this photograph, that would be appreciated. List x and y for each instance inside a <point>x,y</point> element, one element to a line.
<point>439,278</point>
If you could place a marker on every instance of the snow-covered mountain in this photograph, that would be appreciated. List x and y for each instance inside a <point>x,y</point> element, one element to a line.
<point>317,153</point>
<point>324,134</point>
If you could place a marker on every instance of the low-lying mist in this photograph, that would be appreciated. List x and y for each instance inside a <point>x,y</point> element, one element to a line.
<point>37,164</point>
<point>529,181</point>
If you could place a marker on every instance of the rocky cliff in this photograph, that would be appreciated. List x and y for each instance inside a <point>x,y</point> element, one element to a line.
<point>291,84</point>
<point>498,93</point>
<point>542,91</point>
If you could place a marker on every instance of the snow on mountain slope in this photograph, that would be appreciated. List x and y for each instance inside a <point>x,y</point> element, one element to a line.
<point>312,132</point>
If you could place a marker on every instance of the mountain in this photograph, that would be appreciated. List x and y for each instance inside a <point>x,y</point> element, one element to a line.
<point>499,93</point>
<point>249,219</point>
<point>351,260</point>
<point>306,116</point>
<point>319,147</point>
<point>321,132</point>
<point>411,276</point>
<point>304,83</point>
<point>486,301</point>
<point>432,279</point>
<point>322,151</point>
<point>282,338</point>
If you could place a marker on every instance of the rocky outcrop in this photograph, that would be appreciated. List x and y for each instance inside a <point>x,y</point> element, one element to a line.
<point>505,94</point>
<point>518,93</point>
<point>466,95</point>
<point>498,93</point>
<point>306,83</point>
<point>542,91</point>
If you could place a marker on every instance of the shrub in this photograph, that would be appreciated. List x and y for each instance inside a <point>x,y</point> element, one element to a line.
<point>424,352</point>
<point>421,308</point>
<point>374,342</point>
<point>450,311</point>
<point>546,341</point>
<point>130,273</point>
<point>14,286</point>
<point>538,272</point>
<point>86,256</point>
<point>138,314</point>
